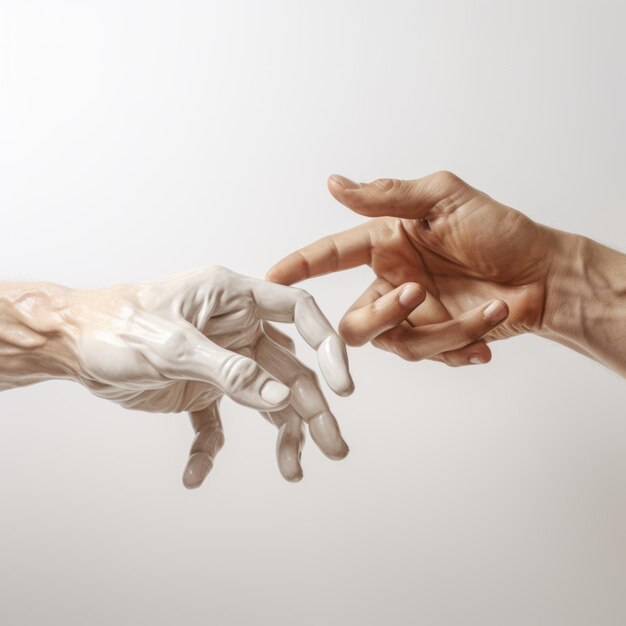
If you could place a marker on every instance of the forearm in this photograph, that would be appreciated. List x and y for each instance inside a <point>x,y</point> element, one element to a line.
<point>33,346</point>
<point>586,300</point>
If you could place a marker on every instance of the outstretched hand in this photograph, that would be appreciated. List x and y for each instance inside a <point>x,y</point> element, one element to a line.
<point>182,343</point>
<point>454,269</point>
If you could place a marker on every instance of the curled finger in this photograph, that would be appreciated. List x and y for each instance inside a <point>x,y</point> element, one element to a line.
<point>208,441</point>
<point>423,342</point>
<point>374,313</point>
<point>306,396</point>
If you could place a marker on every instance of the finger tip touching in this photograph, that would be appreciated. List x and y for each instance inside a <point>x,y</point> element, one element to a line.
<point>289,270</point>
<point>275,273</point>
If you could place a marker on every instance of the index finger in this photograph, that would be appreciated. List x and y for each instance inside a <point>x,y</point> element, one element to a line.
<point>333,253</point>
<point>279,303</point>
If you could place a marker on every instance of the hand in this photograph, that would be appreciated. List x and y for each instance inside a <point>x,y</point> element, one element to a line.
<point>182,343</point>
<point>454,269</point>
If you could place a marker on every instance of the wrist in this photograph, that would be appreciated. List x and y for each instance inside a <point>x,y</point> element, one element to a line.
<point>35,344</point>
<point>585,306</point>
<point>567,292</point>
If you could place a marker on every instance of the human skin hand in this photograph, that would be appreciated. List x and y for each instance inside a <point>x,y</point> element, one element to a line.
<point>180,344</point>
<point>455,269</point>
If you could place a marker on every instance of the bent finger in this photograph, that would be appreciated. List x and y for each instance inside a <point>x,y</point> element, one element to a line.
<point>208,441</point>
<point>306,397</point>
<point>362,323</point>
<point>289,445</point>
<point>278,303</point>
<point>425,342</point>
<point>277,336</point>
<point>239,377</point>
<point>476,353</point>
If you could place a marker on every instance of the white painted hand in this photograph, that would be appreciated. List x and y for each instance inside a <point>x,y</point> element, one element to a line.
<point>181,343</point>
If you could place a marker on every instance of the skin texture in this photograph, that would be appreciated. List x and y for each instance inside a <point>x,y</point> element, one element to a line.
<point>455,269</point>
<point>181,344</point>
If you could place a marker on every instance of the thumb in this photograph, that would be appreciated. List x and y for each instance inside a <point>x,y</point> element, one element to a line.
<point>397,198</point>
<point>241,378</point>
<point>182,352</point>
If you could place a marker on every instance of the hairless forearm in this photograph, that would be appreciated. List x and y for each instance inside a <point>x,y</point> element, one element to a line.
<point>586,304</point>
<point>32,346</point>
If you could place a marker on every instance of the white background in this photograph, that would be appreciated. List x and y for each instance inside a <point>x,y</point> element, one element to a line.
<point>138,139</point>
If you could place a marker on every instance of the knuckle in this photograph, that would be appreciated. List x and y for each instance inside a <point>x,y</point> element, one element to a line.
<point>471,329</point>
<point>168,352</point>
<point>302,295</point>
<point>304,300</point>
<point>447,193</point>
<point>218,270</point>
<point>306,378</point>
<point>209,440</point>
<point>446,179</point>
<point>219,274</point>
<point>176,347</point>
<point>386,184</point>
<point>238,372</point>
<point>220,440</point>
<point>396,192</point>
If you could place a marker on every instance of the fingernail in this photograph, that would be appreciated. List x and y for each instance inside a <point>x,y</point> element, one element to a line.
<point>344,182</point>
<point>475,360</point>
<point>495,312</point>
<point>274,392</point>
<point>410,295</point>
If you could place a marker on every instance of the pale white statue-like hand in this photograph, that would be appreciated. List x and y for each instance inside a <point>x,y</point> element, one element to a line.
<point>180,344</point>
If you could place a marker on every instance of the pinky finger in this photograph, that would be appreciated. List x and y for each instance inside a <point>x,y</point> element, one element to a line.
<point>476,353</point>
<point>425,342</point>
